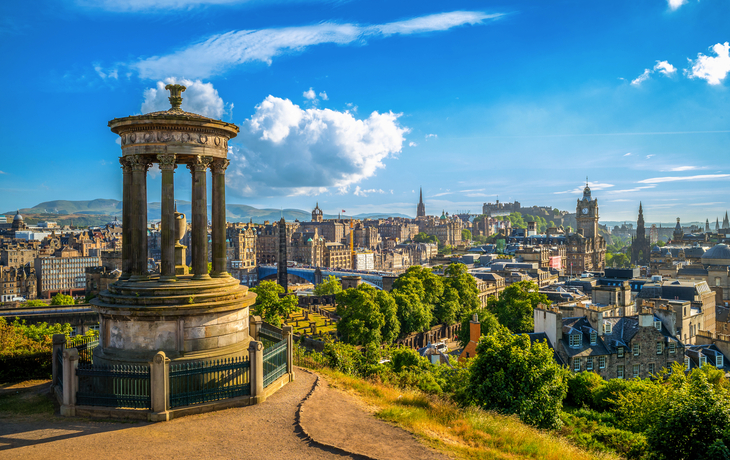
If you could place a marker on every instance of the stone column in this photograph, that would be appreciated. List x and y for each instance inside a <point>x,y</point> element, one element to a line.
<point>199,240</point>
<point>138,214</point>
<point>218,172</point>
<point>70,363</point>
<point>159,384</point>
<point>256,361</point>
<point>167,224</point>
<point>289,336</point>
<point>126,219</point>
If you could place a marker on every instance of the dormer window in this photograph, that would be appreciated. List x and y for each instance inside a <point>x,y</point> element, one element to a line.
<point>719,360</point>
<point>594,337</point>
<point>607,328</point>
<point>686,362</point>
<point>703,360</point>
<point>658,325</point>
<point>575,340</point>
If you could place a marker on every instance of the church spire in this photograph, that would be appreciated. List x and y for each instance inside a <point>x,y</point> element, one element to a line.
<point>421,209</point>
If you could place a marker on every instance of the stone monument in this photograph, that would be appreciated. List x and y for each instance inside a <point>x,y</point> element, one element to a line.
<point>190,317</point>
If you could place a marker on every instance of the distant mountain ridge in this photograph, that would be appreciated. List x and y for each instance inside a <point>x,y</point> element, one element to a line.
<point>104,210</point>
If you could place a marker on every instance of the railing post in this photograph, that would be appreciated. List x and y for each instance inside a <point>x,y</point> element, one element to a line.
<point>160,388</point>
<point>70,381</point>
<point>59,343</point>
<point>255,323</point>
<point>287,331</point>
<point>256,360</point>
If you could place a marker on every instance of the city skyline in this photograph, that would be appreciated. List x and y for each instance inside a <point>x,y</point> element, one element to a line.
<point>356,106</point>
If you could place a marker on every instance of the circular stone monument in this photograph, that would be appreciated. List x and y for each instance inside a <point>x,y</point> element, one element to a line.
<point>190,316</point>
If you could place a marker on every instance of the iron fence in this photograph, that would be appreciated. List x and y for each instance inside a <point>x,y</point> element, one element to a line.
<point>274,362</point>
<point>270,333</point>
<point>206,381</point>
<point>59,369</point>
<point>85,346</point>
<point>113,386</point>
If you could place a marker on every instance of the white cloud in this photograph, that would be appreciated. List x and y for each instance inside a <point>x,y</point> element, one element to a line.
<point>712,69</point>
<point>664,68</point>
<point>649,156</point>
<point>684,168</point>
<point>593,185</point>
<point>635,189</point>
<point>291,151</point>
<point>128,6</point>
<point>412,144</point>
<point>675,4</point>
<point>201,98</point>
<point>3,172</point>
<point>627,154</point>
<point>324,96</point>
<point>641,78</point>
<point>431,135</point>
<point>659,180</point>
<point>113,73</point>
<point>359,192</point>
<point>218,53</point>
<point>311,95</point>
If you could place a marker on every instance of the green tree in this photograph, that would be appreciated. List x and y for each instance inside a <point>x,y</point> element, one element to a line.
<point>34,303</point>
<point>368,316</point>
<point>466,234</point>
<point>457,277</point>
<point>424,238</point>
<point>329,286</point>
<point>515,306</point>
<point>488,323</point>
<point>270,305</point>
<point>413,316</point>
<point>514,376</point>
<point>62,299</point>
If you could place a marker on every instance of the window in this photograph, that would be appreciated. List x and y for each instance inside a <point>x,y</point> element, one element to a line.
<point>636,370</point>
<point>686,362</point>
<point>651,368</point>
<point>658,325</point>
<point>601,362</point>
<point>575,340</point>
<point>636,349</point>
<point>672,348</point>
<point>620,352</point>
<point>620,371</point>
<point>703,360</point>
<point>607,328</point>
<point>594,337</point>
<point>576,364</point>
<point>589,364</point>
<point>659,348</point>
<point>719,360</point>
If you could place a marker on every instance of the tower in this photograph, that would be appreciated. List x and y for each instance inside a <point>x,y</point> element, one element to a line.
<point>678,233</point>
<point>707,225</point>
<point>725,222</point>
<point>317,214</point>
<point>640,245</point>
<point>586,214</point>
<point>421,211</point>
<point>281,274</point>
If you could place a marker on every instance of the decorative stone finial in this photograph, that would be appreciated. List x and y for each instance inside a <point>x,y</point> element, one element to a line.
<point>175,96</point>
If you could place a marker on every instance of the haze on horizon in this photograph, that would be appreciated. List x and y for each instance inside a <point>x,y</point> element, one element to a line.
<point>356,104</point>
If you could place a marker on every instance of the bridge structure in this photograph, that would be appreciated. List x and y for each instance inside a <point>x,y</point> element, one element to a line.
<point>374,279</point>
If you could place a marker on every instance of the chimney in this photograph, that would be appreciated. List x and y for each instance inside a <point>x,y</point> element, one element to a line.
<point>475,329</point>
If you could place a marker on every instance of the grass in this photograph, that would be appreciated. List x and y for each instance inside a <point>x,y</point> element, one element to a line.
<point>26,403</point>
<point>469,433</point>
<point>317,318</point>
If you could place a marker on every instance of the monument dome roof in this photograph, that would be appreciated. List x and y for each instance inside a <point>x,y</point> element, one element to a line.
<point>18,217</point>
<point>718,253</point>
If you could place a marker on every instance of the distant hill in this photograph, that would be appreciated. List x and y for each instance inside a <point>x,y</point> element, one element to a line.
<point>100,211</point>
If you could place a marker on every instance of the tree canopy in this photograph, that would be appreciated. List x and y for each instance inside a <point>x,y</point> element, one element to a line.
<point>515,306</point>
<point>424,238</point>
<point>368,316</point>
<point>62,299</point>
<point>270,305</point>
<point>329,286</point>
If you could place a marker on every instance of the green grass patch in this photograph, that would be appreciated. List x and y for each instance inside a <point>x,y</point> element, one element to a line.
<point>26,403</point>
<point>304,325</point>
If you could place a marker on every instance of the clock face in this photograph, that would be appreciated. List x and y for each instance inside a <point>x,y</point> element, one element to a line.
<point>585,210</point>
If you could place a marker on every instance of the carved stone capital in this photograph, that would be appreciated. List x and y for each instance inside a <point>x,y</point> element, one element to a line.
<point>219,166</point>
<point>167,162</point>
<point>138,163</point>
<point>126,168</point>
<point>199,163</point>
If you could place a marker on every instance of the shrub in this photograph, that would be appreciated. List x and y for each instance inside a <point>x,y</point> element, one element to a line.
<point>581,387</point>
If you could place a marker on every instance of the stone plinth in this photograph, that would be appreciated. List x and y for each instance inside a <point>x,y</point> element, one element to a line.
<point>188,320</point>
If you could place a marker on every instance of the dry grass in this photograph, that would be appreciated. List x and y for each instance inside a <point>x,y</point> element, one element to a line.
<point>459,433</point>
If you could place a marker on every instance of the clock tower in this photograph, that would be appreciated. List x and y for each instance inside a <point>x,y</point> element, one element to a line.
<point>586,214</point>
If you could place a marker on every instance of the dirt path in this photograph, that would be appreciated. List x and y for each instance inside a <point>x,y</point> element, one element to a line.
<point>265,431</point>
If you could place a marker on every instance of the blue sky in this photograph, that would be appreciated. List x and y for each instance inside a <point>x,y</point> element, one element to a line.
<point>355,104</point>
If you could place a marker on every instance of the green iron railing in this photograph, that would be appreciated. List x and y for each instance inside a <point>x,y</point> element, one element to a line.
<point>85,346</point>
<point>271,333</point>
<point>59,369</point>
<point>206,381</point>
<point>274,362</point>
<point>113,386</point>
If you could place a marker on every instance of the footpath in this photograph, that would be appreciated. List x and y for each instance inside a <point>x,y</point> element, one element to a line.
<point>304,420</point>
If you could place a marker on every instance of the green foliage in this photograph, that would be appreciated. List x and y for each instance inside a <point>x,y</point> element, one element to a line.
<point>466,234</point>
<point>424,238</point>
<point>368,316</point>
<point>581,387</point>
<point>594,431</point>
<point>617,260</point>
<point>511,375</point>
<point>514,308</point>
<point>445,250</point>
<point>488,323</point>
<point>62,299</point>
<point>329,286</point>
<point>88,297</point>
<point>661,243</point>
<point>34,303</point>
<point>270,305</point>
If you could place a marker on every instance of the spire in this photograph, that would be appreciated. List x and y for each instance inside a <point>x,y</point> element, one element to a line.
<point>420,195</point>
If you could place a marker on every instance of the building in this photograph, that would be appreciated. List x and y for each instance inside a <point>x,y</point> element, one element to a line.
<point>586,249</point>
<point>337,255</point>
<point>640,245</point>
<point>242,240</point>
<point>421,208</point>
<point>18,282</point>
<point>65,273</point>
<point>364,261</point>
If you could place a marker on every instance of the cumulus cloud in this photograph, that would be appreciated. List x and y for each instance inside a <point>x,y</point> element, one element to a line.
<point>675,4</point>
<point>431,136</point>
<point>311,95</point>
<point>218,53</point>
<point>324,96</point>
<point>712,69</point>
<point>641,78</point>
<point>660,180</point>
<point>663,67</point>
<point>412,144</point>
<point>359,192</point>
<point>199,97</point>
<point>288,150</point>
